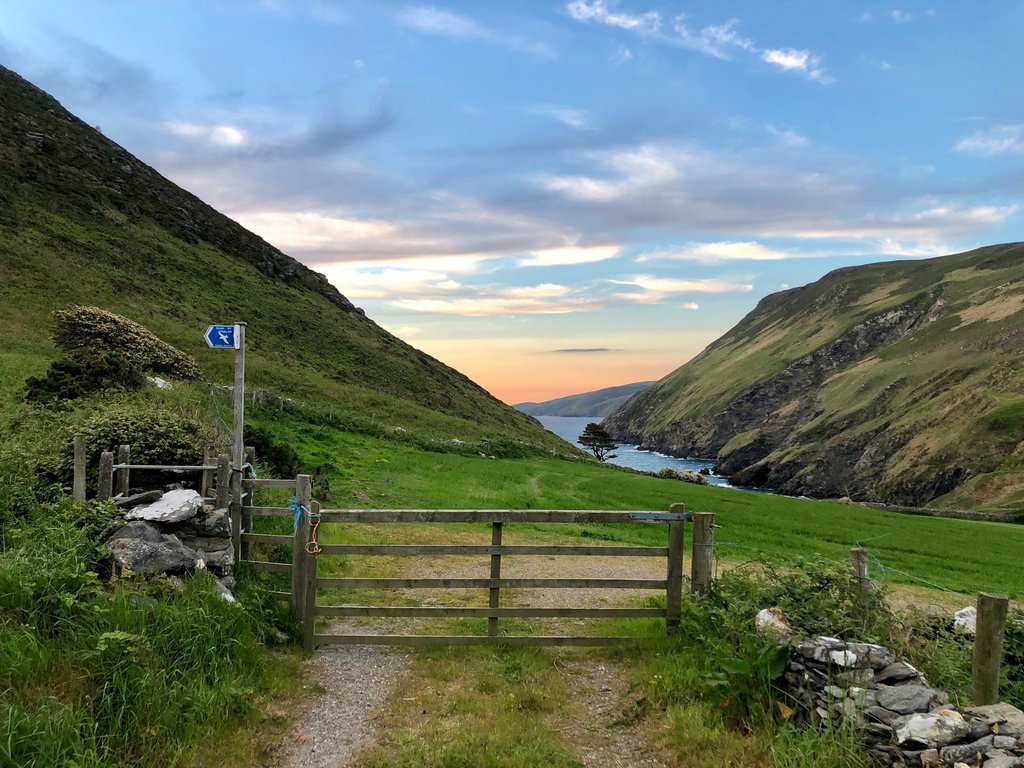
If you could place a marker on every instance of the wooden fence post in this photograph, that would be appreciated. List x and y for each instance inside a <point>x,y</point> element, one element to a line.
<point>206,483</point>
<point>988,648</point>
<point>223,497</point>
<point>309,593</point>
<point>859,564</point>
<point>105,485</point>
<point>303,494</point>
<point>78,487</point>
<point>674,588</point>
<point>494,593</point>
<point>124,456</point>
<point>702,562</point>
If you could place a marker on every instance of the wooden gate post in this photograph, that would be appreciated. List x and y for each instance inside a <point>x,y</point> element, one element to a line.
<point>493,600</point>
<point>105,485</point>
<point>78,486</point>
<point>303,494</point>
<point>124,456</point>
<point>702,563</point>
<point>674,588</point>
<point>309,593</point>
<point>988,648</point>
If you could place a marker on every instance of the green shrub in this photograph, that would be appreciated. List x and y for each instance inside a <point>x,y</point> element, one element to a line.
<point>84,331</point>
<point>279,457</point>
<point>69,379</point>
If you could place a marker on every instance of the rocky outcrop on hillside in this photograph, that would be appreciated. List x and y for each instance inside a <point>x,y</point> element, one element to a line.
<point>895,383</point>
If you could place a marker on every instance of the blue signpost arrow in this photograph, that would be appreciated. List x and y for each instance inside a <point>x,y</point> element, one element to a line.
<point>222,336</point>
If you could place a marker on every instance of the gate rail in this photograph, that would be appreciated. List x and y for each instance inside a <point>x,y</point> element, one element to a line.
<point>304,573</point>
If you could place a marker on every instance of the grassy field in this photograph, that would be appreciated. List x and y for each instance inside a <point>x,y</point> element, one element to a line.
<point>958,555</point>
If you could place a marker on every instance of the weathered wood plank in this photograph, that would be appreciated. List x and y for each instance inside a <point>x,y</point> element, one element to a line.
<point>674,577</point>
<point>462,611</point>
<point>494,594</point>
<point>493,516</point>
<point>269,538</point>
<point>123,476</point>
<point>287,483</point>
<point>105,484</point>
<point>224,482</point>
<point>263,565</point>
<point>309,592</point>
<point>485,549</point>
<point>425,640</point>
<point>988,648</point>
<point>269,511</point>
<point>703,559</point>
<point>285,596</point>
<point>357,583</point>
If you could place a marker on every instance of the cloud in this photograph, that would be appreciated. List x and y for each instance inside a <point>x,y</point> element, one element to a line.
<point>717,40</point>
<point>715,253</point>
<point>691,305</point>
<point>792,60</point>
<point>787,136</point>
<point>998,140</point>
<point>652,289</point>
<point>217,135</point>
<point>638,168</point>
<point>901,17</point>
<point>647,23</point>
<point>429,20</point>
<point>574,118</point>
<point>550,257</point>
<point>584,350</point>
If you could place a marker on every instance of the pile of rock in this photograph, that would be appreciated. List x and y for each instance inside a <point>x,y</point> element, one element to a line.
<point>906,722</point>
<point>177,533</point>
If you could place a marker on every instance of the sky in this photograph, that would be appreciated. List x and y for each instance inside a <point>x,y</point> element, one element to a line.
<point>554,196</point>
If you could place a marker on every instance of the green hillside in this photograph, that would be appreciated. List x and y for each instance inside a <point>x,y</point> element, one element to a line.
<point>899,382</point>
<point>601,402</point>
<point>84,222</point>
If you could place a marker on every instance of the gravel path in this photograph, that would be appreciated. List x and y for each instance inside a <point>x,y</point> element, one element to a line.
<point>609,734</point>
<point>356,682</point>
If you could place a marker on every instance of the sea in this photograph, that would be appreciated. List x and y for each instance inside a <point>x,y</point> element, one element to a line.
<point>571,427</point>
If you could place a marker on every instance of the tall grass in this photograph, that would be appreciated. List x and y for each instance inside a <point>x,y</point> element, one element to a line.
<point>118,673</point>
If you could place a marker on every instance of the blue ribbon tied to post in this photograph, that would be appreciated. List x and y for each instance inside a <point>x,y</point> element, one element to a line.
<point>298,509</point>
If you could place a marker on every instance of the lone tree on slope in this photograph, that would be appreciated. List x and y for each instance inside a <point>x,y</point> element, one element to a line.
<point>596,439</point>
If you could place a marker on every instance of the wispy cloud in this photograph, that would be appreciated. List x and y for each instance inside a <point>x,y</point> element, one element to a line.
<point>691,305</point>
<point>792,60</point>
<point>901,17</point>
<point>647,23</point>
<point>715,253</point>
<point>1001,139</point>
<point>717,40</point>
<point>579,119</point>
<point>649,289</point>
<point>433,21</point>
<point>583,350</point>
<point>221,135</point>
<point>550,257</point>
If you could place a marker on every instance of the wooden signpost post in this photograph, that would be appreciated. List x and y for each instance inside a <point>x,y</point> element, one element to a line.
<point>233,337</point>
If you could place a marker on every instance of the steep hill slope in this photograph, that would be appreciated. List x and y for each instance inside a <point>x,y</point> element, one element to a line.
<point>83,221</point>
<point>600,402</point>
<point>900,382</point>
